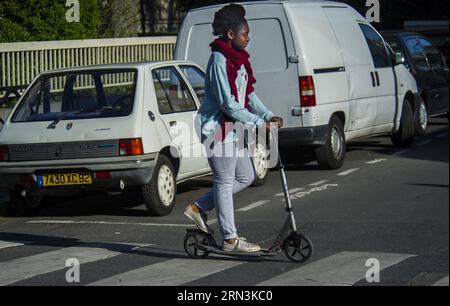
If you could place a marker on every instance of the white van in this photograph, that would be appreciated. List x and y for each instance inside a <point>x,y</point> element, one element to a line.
<point>106,128</point>
<point>323,68</point>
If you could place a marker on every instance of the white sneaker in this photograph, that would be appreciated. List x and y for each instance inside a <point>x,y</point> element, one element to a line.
<point>196,217</point>
<point>241,245</point>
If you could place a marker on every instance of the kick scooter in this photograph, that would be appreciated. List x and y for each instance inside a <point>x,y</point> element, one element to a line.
<point>297,247</point>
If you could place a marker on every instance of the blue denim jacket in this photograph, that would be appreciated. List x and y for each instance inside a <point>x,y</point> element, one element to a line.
<point>219,100</point>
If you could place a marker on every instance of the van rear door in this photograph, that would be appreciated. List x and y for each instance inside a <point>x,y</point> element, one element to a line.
<point>270,47</point>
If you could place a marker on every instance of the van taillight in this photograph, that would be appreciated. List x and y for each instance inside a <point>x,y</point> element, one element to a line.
<point>307,91</point>
<point>128,147</point>
<point>4,153</point>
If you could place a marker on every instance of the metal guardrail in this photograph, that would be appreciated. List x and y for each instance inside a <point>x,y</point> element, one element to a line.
<point>20,63</point>
<point>9,91</point>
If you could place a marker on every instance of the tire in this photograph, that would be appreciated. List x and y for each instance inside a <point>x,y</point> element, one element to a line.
<point>332,155</point>
<point>404,137</point>
<point>24,206</point>
<point>159,194</point>
<point>298,248</point>
<point>421,119</point>
<point>260,163</point>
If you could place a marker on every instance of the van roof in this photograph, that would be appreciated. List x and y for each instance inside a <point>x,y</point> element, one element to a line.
<point>306,2</point>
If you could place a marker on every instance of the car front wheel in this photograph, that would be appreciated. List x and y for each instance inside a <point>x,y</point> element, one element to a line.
<point>404,137</point>
<point>422,119</point>
<point>332,155</point>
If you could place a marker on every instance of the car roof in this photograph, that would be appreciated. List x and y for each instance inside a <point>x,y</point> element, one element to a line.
<point>306,2</point>
<point>132,65</point>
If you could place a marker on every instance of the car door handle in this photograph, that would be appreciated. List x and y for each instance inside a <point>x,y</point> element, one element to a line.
<point>378,78</point>
<point>173,123</point>
<point>373,79</point>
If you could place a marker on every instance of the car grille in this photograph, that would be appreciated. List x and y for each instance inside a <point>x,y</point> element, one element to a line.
<point>63,150</point>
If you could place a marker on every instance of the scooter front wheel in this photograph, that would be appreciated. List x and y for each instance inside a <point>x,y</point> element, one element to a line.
<point>193,242</point>
<point>298,248</point>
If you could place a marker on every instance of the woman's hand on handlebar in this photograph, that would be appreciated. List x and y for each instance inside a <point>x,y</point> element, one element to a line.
<point>278,120</point>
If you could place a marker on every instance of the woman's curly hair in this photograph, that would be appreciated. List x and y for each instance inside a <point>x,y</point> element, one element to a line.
<point>230,17</point>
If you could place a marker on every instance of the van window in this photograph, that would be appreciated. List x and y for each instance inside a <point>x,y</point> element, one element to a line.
<point>377,47</point>
<point>267,46</point>
<point>78,95</point>
<point>172,93</point>
<point>198,49</point>
<point>196,78</point>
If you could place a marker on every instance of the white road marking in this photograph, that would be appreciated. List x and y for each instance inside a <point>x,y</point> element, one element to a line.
<point>440,136</point>
<point>8,244</point>
<point>403,152</point>
<point>347,172</point>
<point>252,206</point>
<point>376,161</point>
<point>442,283</point>
<point>173,272</point>
<point>318,183</point>
<point>424,143</point>
<point>303,194</point>
<point>342,269</point>
<point>281,194</point>
<point>24,268</point>
<point>106,223</point>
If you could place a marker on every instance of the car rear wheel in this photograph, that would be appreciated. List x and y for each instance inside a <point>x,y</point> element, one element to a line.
<point>160,193</point>
<point>261,164</point>
<point>23,204</point>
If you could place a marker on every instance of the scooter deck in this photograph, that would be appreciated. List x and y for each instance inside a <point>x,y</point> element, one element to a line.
<point>262,253</point>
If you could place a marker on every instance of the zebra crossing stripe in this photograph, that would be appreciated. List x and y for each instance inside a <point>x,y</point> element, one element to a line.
<point>173,272</point>
<point>342,269</point>
<point>20,269</point>
<point>8,244</point>
<point>441,283</point>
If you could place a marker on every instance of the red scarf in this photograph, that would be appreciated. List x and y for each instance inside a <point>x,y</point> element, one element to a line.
<point>235,59</point>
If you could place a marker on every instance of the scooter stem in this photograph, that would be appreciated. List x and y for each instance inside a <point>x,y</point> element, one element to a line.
<point>287,196</point>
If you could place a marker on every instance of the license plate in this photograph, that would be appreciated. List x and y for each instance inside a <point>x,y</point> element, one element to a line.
<point>64,179</point>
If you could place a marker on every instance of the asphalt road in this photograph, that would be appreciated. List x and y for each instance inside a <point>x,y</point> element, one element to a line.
<point>385,204</point>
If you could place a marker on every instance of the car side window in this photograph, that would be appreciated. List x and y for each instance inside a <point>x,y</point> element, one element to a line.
<point>377,47</point>
<point>417,51</point>
<point>196,78</point>
<point>433,55</point>
<point>172,92</point>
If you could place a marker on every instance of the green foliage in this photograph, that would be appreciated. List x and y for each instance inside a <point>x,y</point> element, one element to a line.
<point>41,20</point>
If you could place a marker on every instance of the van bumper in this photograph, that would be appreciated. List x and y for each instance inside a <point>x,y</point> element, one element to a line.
<point>310,136</point>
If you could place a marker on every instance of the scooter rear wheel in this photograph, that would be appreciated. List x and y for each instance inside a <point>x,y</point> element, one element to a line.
<point>298,248</point>
<point>192,242</point>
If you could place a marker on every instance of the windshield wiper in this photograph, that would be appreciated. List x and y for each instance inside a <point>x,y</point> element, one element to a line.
<point>53,125</point>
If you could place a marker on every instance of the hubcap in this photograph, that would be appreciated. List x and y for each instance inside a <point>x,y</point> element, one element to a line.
<point>166,186</point>
<point>260,161</point>
<point>423,116</point>
<point>336,142</point>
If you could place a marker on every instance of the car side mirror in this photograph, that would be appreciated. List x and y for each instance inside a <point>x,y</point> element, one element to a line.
<point>399,58</point>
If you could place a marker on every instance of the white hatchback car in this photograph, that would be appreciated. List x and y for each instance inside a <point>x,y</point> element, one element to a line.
<point>106,127</point>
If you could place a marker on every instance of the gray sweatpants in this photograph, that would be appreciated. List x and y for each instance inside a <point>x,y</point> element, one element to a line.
<point>231,175</point>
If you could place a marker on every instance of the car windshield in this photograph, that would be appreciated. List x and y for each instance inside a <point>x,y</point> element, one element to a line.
<point>79,95</point>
